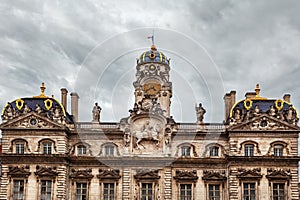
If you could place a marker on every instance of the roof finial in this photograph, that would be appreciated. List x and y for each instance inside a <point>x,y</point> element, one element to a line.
<point>152,38</point>
<point>42,95</point>
<point>257,90</point>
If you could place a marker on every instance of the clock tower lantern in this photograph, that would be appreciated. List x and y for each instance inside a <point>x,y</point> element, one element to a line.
<point>152,79</point>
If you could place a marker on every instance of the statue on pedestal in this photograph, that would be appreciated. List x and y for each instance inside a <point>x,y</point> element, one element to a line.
<point>200,111</point>
<point>96,113</point>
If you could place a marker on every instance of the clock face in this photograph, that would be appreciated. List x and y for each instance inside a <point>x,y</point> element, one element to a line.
<point>152,88</point>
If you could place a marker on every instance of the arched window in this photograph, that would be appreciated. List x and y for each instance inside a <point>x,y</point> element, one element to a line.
<point>278,150</point>
<point>248,150</point>
<point>46,146</point>
<point>214,151</point>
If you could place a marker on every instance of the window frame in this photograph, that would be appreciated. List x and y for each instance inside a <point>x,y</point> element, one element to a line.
<point>77,197</point>
<point>185,151</point>
<point>249,189</point>
<point>19,150</point>
<point>214,151</point>
<point>49,146</point>
<point>46,191</point>
<point>276,149</point>
<point>17,193</point>
<point>186,197</point>
<point>214,197</point>
<point>81,150</point>
<point>247,151</point>
<point>109,150</point>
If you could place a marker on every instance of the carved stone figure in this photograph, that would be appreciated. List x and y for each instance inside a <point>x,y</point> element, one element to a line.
<point>291,115</point>
<point>38,109</point>
<point>96,113</point>
<point>148,132</point>
<point>200,111</point>
<point>57,115</point>
<point>256,111</point>
<point>26,109</point>
<point>8,113</point>
<point>272,111</point>
<point>237,115</point>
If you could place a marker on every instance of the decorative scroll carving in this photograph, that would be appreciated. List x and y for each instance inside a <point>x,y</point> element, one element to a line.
<point>210,175</point>
<point>19,172</point>
<point>81,174</point>
<point>147,175</point>
<point>46,172</point>
<point>283,174</point>
<point>112,174</point>
<point>254,173</point>
<point>184,175</point>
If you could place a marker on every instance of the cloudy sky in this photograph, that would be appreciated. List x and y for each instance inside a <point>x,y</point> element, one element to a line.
<point>90,47</point>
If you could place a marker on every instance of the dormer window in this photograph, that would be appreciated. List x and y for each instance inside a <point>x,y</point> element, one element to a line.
<point>214,151</point>
<point>278,150</point>
<point>185,151</point>
<point>47,148</point>
<point>249,150</point>
<point>81,150</point>
<point>20,147</point>
<point>109,150</point>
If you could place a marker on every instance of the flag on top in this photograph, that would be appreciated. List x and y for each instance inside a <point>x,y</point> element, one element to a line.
<point>152,38</point>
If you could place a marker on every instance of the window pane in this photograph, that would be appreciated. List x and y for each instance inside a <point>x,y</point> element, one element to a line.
<point>46,187</point>
<point>81,150</point>
<point>47,148</point>
<point>278,191</point>
<point>249,191</point>
<point>185,151</point>
<point>20,148</point>
<point>18,190</point>
<point>185,191</point>
<point>214,192</point>
<point>109,150</point>
<point>214,151</point>
<point>278,150</point>
<point>81,191</point>
<point>147,191</point>
<point>109,191</point>
<point>249,150</point>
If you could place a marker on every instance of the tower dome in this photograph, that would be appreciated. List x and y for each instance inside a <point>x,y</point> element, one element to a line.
<point>153,55</point>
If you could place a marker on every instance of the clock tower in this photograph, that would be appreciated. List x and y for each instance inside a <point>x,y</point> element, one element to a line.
<point>152,79</point>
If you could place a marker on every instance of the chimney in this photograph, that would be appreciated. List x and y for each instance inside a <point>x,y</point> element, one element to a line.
<point>250,95</point>
<point>287,98</point>
<point>74,105</point>
<point>229,100</point>
<point>64,93</point>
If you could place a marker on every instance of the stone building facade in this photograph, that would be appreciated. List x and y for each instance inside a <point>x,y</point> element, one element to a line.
<point>48,154</point>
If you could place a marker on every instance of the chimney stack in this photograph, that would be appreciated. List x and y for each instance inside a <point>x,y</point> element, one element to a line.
<point>287,98</point>
<point>229,100</point>
<point>64,93</point>
<point>74,105</point>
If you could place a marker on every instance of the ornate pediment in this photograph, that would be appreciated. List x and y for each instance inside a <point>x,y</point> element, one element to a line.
<point>263,122</point>
<point>31,120</point>
<point>109,174</point>
<point>184,175</point>
<point>19,172</point>
<point>249,173</point>
<point>45,172</point>
<point>278,174</point>
<point>147,174</point>
<point>214,175</point>
<point>81,174</point>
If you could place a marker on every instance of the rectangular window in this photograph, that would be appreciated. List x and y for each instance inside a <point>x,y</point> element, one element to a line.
<point>109,150</point>
<point>214,192</point>
<point>185,191</point>
<point>109,191</point>
<point>20,148</point>
<point>47,148</point>
<point>278,191</point>
<point>81,150</point>
<point>249,191</point>
<point>46,188</point>
<point>278,150</point>
<point>249,150</point>
<point>185,151</point>
<point>18,190</point>
<point>147,191</point>
<point>81,191</point>
<point>214,151</point>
